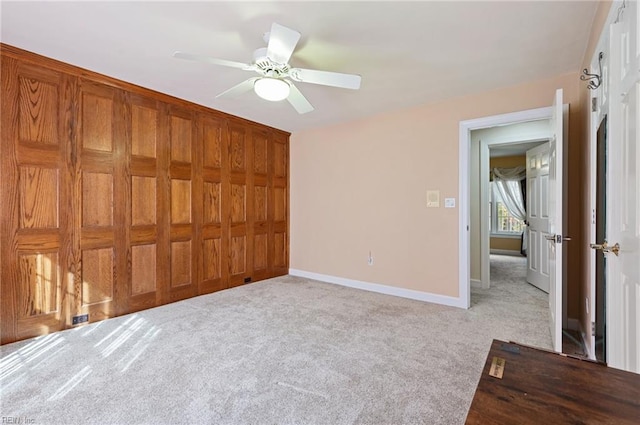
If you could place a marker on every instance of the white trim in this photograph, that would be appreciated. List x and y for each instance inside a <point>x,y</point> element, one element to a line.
<point>464,269</point>
<point>506,252</point>
<point>475,283</point>
<point>382,289</point>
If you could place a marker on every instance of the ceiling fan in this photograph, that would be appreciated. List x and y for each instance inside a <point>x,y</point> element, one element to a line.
<point>274,73</point>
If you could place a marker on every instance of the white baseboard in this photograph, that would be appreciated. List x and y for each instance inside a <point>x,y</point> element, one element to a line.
<point>476,283</point>
<point>382,289</point>
<point>505,252</point>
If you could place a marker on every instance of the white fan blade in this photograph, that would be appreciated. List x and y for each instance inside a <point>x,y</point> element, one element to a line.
<point>239,89</point>
<point>298,101</point>
<point>282,42</point>
<point>326,78</point>
<point>214,61</point>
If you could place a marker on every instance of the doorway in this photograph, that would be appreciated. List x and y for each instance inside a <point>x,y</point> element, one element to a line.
<point>470,176</point>
<point>503,146</point>
<point>601,235</point>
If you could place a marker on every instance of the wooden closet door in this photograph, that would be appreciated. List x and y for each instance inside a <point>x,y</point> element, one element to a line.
<point>279,205</point>
<point>37,257</point>
<point>237,203</point>
<point>215,240</point>
<point>103,201</point>
<point>185,187</point>
<point>148,241</point>
<point>259,218</point>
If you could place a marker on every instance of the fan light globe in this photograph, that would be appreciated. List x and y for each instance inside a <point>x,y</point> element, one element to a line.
<point>272,89</point>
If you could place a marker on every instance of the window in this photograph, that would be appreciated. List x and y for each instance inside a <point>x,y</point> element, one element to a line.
<point>502,222</point>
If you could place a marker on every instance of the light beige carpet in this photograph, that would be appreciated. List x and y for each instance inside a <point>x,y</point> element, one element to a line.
<point>283,351</point>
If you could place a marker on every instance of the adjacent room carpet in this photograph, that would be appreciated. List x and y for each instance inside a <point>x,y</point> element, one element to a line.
<point>283,351</point>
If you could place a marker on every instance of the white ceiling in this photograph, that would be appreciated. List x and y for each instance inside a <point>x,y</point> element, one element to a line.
<point>408,53</point>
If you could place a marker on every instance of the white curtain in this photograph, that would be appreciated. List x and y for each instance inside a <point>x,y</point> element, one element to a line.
<point>507,184</point>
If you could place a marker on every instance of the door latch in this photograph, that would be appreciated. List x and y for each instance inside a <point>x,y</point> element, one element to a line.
<point>606,248</point>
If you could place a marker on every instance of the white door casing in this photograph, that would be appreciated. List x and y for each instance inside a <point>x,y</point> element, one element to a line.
<point>538,216</point>
<point>623,184</point>
<point>555,237</point>
<point>464,143</point>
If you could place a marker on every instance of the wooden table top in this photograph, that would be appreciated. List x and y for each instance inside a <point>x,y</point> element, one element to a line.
<point>542,387</point>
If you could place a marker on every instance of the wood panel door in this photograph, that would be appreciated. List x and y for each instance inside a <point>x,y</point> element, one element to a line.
<point>115,199</point>
<point>279,205</point>
<point>215,240</point>
<point>185,187</point>
<point>102,202</point>
<point>238,180</point>
<point>37,258</point>
<point>260,183</point>
<point>147,186</point>
<point>538,216</point>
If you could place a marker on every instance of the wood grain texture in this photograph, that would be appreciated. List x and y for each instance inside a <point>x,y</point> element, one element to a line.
<point>143,269</point>
<point>180,263</point>
<point>97,199</point>
<point>144,122</point>
<point>97,116</point>
<point>260,247</point>
<point>213,142</point>
<point>238,254</point>
<point>143,201</point>
<point>38,111</point>
<point>180,201</point>
<point>279,204</point>
<point>260,141</point>
<point>238,203</point>
<point>139,198</point>
<point>39,284</point>
<point>212,259</point>
<point>38,190</point>
<point>260,203</point>
<point>237,149</point>
<point>180,139</point>
<point>541,387</point>
<point>212,201</point>
<point>97,275</point>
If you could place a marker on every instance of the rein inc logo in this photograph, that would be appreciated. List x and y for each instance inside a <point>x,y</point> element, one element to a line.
<point>17,420</point>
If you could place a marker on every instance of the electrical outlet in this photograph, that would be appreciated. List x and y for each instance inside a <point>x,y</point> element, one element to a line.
<point>76,320</point>
<point>370,259</point>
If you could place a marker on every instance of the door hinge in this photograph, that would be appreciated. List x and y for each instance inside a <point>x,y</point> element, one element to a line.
<point>593,328</point>
<point>594,104</point>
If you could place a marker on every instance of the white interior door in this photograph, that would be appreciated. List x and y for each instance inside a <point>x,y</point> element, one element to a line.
<point>538,216</point>
<point>555,237</point>
<point>623,184</point>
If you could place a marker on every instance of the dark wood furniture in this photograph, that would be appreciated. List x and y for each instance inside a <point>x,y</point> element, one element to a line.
<point>541,387</point>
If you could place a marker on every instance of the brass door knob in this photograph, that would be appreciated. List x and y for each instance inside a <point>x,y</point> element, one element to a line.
<point>606,248</point>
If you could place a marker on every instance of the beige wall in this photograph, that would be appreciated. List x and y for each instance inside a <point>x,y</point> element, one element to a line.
<point>505,244</point>
<point>508,244</point>
<point>361,186</point>
<point>508,161</point>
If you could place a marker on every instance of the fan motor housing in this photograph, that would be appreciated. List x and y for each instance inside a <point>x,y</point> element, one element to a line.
<point>267,67</point>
